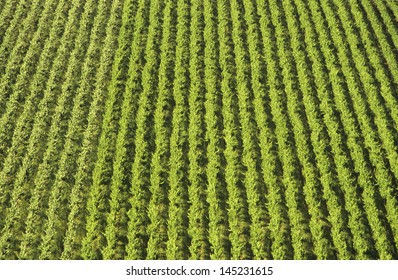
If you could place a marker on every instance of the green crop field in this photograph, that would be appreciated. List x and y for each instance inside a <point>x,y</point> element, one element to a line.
<point>199,129</point>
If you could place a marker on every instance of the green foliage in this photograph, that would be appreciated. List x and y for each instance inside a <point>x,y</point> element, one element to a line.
<point>190,129</point>
<point>98,204</point>
<point>14,225</point>
<point>177,227</point>
<point>198,211</point>
<point>139,213</point>
<point>216,186</point>
<point>58,211</point>
<point>117,219</point>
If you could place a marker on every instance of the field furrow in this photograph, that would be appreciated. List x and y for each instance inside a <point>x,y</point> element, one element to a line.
<point>85,163</point>
<point>177,232</point>
<point>16,122</point>
<point>216,189</point>
<point>144,142</point>
<point>58,210</point>
<point>14,224</point>
<point>238,214</point>
<point>32,170</point>
<point>197,181</point>
<point>311,125</point>
<point>159,188</point>
<point>325,122</point>
<point>9,10</point>
<point>11,18</point>
<point>14,49</point>
<point>251,156</point>
<point>385,15</point>
<point>190,129</point>
<point>120,183</point>
<point>98,204</point>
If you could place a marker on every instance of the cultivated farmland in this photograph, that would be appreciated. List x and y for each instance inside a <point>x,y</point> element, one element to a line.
<point>198,129</point>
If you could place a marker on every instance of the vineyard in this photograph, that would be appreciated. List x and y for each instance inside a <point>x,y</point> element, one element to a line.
<point>199,129</point>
